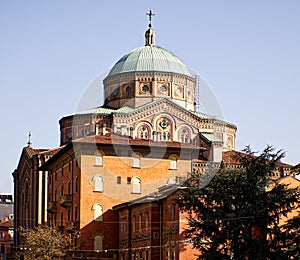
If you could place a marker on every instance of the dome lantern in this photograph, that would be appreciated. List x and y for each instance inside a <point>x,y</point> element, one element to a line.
<point>150,33</point>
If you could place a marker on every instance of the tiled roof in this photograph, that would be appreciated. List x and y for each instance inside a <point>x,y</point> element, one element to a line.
<point>162,193</point>
<point>52,151</point>
<point>8,223</point>
<point>32,151</point>
<point>230,157</point>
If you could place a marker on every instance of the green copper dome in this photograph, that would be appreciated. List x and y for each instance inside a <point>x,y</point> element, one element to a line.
<point>150,58</point>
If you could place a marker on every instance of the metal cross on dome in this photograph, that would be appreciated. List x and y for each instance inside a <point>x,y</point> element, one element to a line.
<point>150,14</point>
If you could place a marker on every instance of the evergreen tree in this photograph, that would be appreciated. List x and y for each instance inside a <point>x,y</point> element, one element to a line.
<point>292,238</point>
<point>234,212</point>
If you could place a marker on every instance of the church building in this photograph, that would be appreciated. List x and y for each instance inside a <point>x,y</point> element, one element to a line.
<point>146,137</point>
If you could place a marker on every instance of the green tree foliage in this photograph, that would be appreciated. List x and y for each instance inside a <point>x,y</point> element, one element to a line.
<point>42,243</point>
<point>292,238</point>
<point>234,212</point>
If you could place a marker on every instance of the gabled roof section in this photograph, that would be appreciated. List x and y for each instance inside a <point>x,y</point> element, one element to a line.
<point>152,197</point>
<point>103,110</point>
<point>32,151</point>
<point>52,151</point>
<point>129,110</point>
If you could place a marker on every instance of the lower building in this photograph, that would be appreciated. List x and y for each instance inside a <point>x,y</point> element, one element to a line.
<point>88,177</point>
<point>151,227</point>
<point>6,238</point>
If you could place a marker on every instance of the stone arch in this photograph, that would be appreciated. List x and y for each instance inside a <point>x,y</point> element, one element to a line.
<point>98,212</point>
<point>143,133</point>
<point>136,160</point>
<point>136,184</point>
<point>98,183</point>
<point>184,134</point>
<point>98,242</point>
<point>164,127</point>
<point>99,158</point>
<point>173,161</point>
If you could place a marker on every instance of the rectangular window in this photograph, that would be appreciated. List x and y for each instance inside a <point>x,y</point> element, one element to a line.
<point>147,220</point>
<point>136,162</point>
<point>173,164</point>
<point>99,161</point>
<point>76,184</point>
<point>173,211</point>
<point>140,221</point>
<point>133,223</point>
<point>173,255</point>
<point>128,180</point>
<point>146,255</point>
<point>119,180</point>
<point>69,214</point>
<point>123,225</point>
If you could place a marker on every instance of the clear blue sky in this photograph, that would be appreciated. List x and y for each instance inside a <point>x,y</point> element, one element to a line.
<point>248,51</point>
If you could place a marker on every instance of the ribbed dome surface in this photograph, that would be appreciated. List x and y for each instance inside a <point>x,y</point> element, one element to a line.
<point>150,58</point>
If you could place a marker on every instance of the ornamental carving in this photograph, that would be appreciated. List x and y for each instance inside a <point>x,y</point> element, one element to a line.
<point>141,237</point>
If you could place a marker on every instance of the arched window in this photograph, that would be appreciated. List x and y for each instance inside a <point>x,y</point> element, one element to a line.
<point>128,90</point>
<point>98,211</point>
<point>69,187</point>
<point>76,184</point>
<point>184,136</point>
<point>98,180</point>
<point>147,220</point>
<point>62,190</point>
<point>99,160</point>
<point>98,243</point>
<point>76,213</point>
<point>133,223</point>
<point>173,211</point>
<point>173,162</point>
<point>136,185</point>
<point>61,219</point>
<point>140,221</point>
<point>69,214</point>
<point>143,132</point>
<point>164,128</point>
<point>136,160</point>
